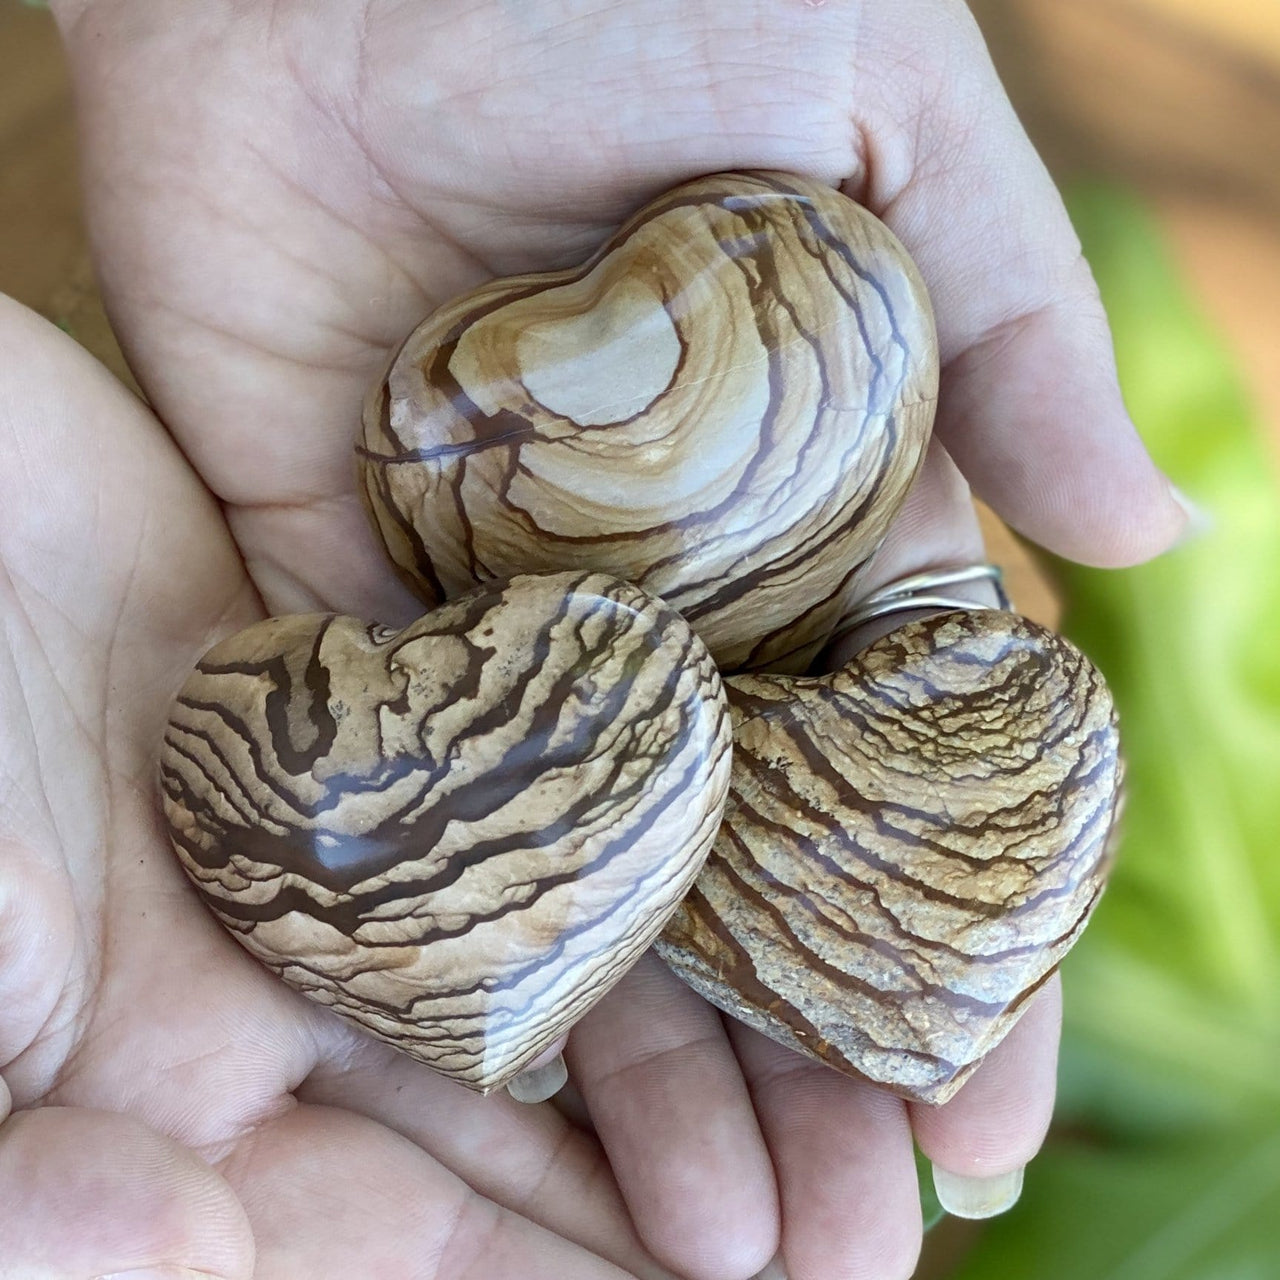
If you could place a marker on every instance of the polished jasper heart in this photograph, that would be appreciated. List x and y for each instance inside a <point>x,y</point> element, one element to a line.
<point>726,405</point>
<point>909,848</point>
<point>460,835</point>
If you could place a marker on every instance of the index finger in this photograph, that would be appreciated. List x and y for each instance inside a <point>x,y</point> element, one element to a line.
<point>1030,405</point>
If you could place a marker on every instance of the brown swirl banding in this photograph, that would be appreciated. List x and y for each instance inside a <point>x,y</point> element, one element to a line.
<point>458,835</point>
<point>726,405</point>
<point>909,847</point>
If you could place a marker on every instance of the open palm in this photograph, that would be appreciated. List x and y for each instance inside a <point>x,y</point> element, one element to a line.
<point>278,192</point>
<point>254,1122</point>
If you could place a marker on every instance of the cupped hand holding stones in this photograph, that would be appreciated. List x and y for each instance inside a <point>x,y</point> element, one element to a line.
<point>356,169</point>
<point>257,295</point>
<point>785,347</point>
<point>172,1101</point>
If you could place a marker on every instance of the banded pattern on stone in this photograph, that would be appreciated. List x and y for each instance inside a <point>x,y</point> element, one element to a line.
<point>458,836</point>
<point>909,848</point>
<point>726,405</point>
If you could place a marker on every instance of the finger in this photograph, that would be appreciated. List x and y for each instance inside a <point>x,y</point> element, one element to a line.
<point>936,528</point>
<point>331,1194</point>
<point>669,1104</point>
<point>528,1159</point>
<point>1029,405</point>
<point>982,1139</point>
<point>543,1078</point>
<point>842,1150</point>
<point>91,1193</point>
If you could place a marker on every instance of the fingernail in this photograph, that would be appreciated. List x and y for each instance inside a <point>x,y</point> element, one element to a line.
<point>1199,521</point>
<point>540,1083</point>
<point>774,1271</point>
<point>964,1197</point>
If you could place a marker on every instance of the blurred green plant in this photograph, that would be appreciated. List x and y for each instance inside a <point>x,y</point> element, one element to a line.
<point>1166,1163</point>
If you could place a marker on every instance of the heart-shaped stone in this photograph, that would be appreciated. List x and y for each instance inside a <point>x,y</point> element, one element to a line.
<point>909,848</point>
<point>726,405</point>
<point>460,835</point>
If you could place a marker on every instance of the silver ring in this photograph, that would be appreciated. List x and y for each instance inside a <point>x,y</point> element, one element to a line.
<point>921,591</point>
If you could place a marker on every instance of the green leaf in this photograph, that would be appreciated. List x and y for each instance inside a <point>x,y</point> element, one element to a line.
<point>1205,1211</point>
<point>1171,1054</point>
<point>1174,996</point>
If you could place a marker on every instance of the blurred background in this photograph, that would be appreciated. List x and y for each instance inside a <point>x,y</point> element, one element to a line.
<point>1161,119</point>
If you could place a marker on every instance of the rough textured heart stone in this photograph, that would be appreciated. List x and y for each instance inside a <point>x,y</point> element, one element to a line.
<point>726,405</point>
<point>909,848</point>
<point>460,835</point>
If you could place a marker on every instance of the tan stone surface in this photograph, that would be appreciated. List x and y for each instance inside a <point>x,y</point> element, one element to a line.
<point>458,836</point>
<point>726,406</point>
<point>909,848</point>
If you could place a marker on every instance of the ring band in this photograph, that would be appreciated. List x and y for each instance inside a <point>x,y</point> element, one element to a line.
<point>922,591</point>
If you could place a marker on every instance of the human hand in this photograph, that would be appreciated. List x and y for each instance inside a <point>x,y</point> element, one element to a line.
<point>175,1104</point>
<point>279,192</point>
<point>178,1105</point>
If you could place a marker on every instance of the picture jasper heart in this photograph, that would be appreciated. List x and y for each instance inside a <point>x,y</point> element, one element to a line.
<point>460,835</point>
<point>909,848</point>
<point>726,405</point>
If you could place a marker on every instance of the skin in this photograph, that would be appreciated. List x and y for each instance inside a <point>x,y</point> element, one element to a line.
<point>277,193</point>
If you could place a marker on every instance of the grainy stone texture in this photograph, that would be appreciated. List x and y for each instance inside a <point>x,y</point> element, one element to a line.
<point>909,848</point>
<point>726,405</point>
<point>458,836</point>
